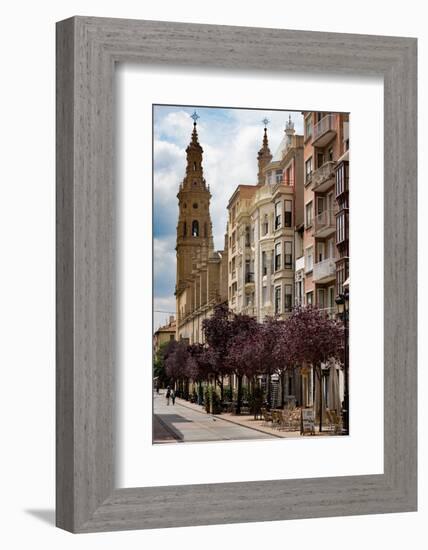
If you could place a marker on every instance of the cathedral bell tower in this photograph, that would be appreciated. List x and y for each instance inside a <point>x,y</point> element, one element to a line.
<point>264,156</point>
<point>194,229</point>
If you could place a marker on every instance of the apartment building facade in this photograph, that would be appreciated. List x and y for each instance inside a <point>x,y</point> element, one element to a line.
<point>261,225</point>
<point>323,264</point>
<point>164,334</point>
<point>261,240</point>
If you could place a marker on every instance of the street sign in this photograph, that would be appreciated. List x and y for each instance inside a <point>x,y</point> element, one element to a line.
<point>308,421</point>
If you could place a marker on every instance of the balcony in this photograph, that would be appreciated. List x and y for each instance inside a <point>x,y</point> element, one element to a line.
<point>324,131</point>
<point>309,266</point>
<point>323,177</point>
<point>300,263</point>
<point>249,310</point>
<point>329,312</point>
<point>324,224</point>
<point>324,271</point>
<point>249,278</point>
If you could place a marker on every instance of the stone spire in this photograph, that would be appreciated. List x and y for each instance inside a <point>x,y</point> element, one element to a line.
<point>194,173</point>
<point>289,129</point>
<point>264,156</point>
<point>194,228</point>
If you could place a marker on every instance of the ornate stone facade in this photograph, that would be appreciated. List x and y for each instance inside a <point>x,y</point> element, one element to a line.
<point>261,229</point>
<point>201,271</point>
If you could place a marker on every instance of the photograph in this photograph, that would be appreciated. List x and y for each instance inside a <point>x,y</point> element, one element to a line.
<point>250,275</point>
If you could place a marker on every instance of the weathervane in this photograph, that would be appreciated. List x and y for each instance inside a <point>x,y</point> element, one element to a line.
<point>195,117</point>
<point>265,121</point>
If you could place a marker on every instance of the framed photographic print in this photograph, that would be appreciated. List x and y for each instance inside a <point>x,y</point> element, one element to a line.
<point>219,192</point>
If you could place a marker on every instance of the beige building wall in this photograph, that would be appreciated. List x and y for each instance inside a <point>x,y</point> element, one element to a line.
<point>164,334</point>
<point>261,226</point>
<point>240,271</point>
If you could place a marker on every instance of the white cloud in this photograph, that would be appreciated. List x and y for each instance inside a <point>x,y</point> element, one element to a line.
<point>174,125</point>
<point>164,252</point>
<point>163,308</point>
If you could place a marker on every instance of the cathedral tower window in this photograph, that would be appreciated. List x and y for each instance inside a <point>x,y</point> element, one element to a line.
<point>195,228</point>
<point>184,229</point>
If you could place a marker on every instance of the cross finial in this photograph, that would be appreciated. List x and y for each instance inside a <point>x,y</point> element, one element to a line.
<point>195,117</point>
<point>265,121</point>
<point>290,125</point>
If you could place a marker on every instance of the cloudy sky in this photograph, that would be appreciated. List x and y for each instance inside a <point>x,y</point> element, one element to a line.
<point>230,139</point>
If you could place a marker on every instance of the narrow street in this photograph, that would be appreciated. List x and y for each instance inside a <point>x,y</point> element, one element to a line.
<point>179,423</point>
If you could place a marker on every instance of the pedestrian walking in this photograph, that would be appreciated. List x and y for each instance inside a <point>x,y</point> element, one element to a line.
<point>168,395</point>
<point>173,396</point>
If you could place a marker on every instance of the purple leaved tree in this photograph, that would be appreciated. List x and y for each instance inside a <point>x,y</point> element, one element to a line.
<point>176,363</point>
<point>274,349</point>
<point>243,351</point>
<point>198,362</point>
<point>312,337</point>
<point>199,365</point>
<point>218,334</point>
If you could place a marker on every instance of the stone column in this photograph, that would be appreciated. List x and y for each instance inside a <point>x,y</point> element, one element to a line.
<point>204,291</point>
<point>269,277</point>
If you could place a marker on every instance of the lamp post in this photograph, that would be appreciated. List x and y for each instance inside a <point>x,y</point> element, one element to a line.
<point>342,302</point>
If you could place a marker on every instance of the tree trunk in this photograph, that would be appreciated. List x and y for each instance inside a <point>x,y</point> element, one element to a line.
<point>219,383</point>
<point>256,398</point>
<point>239,396</point>
<point>321,392</point>
<point>268,387</point>
<point>283,389</point>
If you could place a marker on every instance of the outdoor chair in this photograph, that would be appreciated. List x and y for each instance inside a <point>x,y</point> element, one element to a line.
<point>291,406</point>
<point>295,419</point>
<point>329,419</point>
<point>286,420</point>
<point>276,419</point>
<point>337,422</point>
<point>267,417</point>
<point>283,420</point>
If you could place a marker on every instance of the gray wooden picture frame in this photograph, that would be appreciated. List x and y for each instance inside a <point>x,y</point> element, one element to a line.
<point>87,50</point>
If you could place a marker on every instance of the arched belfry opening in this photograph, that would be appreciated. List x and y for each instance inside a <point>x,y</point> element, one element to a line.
<point>195,228</point>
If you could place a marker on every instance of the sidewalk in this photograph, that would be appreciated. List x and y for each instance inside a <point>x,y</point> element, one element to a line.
<point>246,421</point>
<point>189,423</point>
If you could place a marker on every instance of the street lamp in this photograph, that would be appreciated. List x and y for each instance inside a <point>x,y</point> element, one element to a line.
<point>342,301</point>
